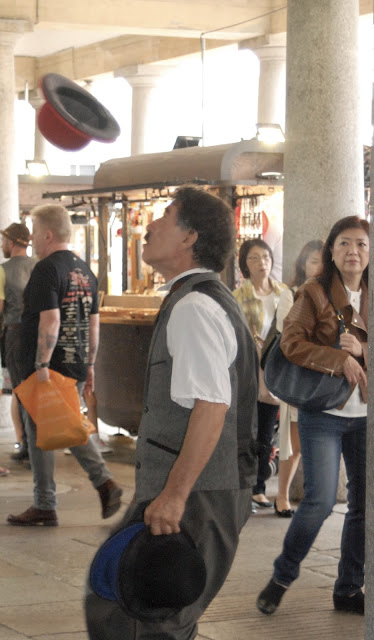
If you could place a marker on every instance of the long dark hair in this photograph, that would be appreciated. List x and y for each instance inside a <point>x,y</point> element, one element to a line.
<point>244,251</point>
<point>328,266</point>
<point>300,276</point>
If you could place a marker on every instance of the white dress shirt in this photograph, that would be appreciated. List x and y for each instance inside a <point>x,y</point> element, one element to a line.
<point>355,407</point>
<point>202,342</point>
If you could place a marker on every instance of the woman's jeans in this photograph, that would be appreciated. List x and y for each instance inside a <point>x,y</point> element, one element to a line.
<point>324,438</point>
<point>267,417</point>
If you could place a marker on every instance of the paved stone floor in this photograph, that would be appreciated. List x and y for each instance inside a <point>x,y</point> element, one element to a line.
<point>43,570</point>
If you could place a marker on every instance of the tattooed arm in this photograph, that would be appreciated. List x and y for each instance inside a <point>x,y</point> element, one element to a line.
<point>49,325</point>
<point>94,344</point>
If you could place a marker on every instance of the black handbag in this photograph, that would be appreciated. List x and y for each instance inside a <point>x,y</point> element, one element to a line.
<point>271,337</point>
<point>304,388</point>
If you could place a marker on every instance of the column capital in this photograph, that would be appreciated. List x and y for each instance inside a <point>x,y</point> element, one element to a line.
<point>271,46</point>
<point>12,30</point>
<point>36,98</point>
<point>142,75</point>
<point>271,54</point>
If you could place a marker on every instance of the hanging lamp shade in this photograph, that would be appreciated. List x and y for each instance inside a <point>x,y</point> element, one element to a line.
<point>71,117</point>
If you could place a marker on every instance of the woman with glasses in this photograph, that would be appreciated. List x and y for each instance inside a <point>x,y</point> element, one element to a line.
<point>259,297</point>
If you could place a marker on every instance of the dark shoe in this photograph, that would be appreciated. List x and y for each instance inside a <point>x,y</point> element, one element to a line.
<point>265,504</point>
<point>350,604</point>
<point>270,597</point>
<point>20,454</point>
<point>285,513</point>
<point>33,516</point>
<point>110,496</point>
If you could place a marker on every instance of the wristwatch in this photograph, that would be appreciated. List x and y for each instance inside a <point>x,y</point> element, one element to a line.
<point>41,365</point>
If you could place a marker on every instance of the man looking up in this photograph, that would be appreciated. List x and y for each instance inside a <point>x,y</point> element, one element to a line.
<point>60,330</point>
<point>196,456</point>
<point>15,274</point>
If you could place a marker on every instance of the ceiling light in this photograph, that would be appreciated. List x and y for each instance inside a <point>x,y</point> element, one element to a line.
<point>37,168</point>
<point>269,133</point>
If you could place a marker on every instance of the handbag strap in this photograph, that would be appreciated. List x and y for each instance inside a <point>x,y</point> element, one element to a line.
<point>339,315</point>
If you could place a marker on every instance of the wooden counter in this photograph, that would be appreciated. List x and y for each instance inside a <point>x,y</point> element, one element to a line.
<point>125,336</point>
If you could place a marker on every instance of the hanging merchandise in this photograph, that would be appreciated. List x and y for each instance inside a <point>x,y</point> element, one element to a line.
<point>249,217</point>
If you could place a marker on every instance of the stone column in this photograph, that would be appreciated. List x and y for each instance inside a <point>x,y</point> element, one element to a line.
<point>323,162</point>
<point>37,100</point>
<point>272,84</point>
<point>10,31</point>
<point>369,583</point>
<point>271,53</point>
<point>143,79</point>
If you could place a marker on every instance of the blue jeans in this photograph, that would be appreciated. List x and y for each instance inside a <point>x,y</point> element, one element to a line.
<point>324,438</point>
<point>43,464</point>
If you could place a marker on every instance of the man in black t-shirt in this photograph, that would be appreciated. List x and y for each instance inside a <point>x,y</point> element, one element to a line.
<point>60,330</point>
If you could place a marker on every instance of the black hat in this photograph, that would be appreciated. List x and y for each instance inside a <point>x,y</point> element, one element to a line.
<point>71,117</point>
<point>17,233</point>
<point>151,577</point>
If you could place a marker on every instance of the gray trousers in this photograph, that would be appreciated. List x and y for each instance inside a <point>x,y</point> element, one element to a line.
<point>43,464</point>
<point>214,520</point>
<point>13,360</point>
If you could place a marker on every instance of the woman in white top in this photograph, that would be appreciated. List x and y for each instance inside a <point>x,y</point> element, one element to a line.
<point>308,265</point>
<point>259,296</point>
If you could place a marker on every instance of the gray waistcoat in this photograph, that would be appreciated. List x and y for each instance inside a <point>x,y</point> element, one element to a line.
<point>233,464</point>
<point>17,274</point>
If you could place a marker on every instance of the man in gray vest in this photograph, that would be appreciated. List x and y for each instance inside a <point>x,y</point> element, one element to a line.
<point>196,454</point>
<point>15,274</point>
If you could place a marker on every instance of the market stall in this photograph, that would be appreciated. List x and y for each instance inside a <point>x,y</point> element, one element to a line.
<point>127,194</point>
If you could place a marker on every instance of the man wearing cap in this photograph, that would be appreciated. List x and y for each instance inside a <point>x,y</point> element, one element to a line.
<point>14,275</point>
<point>60,330</point>
<point>196,454</point>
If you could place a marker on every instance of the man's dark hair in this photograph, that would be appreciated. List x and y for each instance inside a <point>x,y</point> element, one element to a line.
<point>244,251</point>
<point>328,266</point>
<point>213,219</point>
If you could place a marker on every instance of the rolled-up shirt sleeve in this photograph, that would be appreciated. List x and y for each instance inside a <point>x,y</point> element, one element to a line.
<point>202,342</point>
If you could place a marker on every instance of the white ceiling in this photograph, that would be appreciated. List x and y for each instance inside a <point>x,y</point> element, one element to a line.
<point>40,43</point>
<point>43,41</point>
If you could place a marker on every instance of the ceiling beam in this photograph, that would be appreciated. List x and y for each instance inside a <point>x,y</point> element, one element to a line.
<point>105,57</point>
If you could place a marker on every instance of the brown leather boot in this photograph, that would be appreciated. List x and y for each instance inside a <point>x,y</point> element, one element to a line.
<point>110,496</point>
<point>33,516</point>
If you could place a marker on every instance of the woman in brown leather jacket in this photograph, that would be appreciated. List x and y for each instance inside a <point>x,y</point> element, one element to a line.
<point>309,334</point>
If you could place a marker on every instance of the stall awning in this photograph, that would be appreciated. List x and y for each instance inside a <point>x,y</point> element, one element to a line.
<point>234,163</point>
<point>239,163</point>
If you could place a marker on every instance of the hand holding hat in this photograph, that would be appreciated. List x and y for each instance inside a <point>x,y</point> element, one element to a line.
<point>151,577</point>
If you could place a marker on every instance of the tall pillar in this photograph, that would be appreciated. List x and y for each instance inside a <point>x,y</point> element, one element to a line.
<point>143,80</point>
<point>37,100</point>
<point>369,568</point>
<point>271,53</point>
<point>272,84</point>
<point>323,163</point>
<point>10,31</point>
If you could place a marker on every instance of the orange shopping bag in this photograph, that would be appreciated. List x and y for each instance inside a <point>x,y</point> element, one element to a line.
<point>55,408</point>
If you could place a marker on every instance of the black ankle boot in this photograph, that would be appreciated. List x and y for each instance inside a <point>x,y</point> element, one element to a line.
<point>270,597</point>
<point>20,454</point>
<point>350,604</point>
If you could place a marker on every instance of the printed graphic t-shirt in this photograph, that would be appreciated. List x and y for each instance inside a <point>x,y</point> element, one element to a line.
<point>60,281</point>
